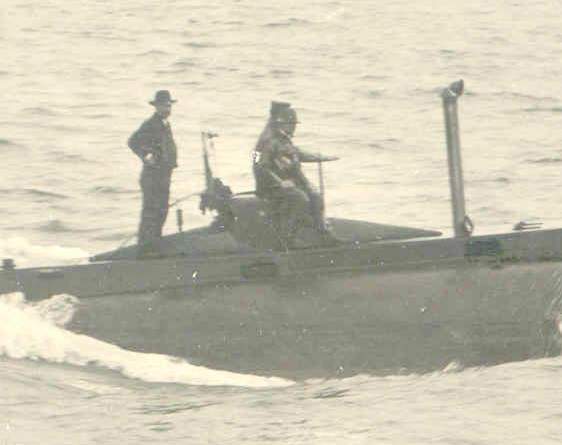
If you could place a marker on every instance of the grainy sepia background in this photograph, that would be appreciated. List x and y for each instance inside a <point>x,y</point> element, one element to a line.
<point>365,78</point>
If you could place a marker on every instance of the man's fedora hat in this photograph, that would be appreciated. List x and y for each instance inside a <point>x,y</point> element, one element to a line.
<point>162,97</point>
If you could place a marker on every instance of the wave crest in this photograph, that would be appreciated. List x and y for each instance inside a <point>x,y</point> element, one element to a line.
<point>36,331</point>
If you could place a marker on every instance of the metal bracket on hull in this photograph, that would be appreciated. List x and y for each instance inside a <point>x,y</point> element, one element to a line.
<point>259,270</point>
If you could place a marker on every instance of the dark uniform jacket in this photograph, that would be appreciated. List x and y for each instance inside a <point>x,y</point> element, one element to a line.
<point>155,136</point>
<point>277,159</point>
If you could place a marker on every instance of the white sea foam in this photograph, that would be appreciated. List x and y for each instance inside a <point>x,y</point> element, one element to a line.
<point>24,253</point>
<point>36,331</point>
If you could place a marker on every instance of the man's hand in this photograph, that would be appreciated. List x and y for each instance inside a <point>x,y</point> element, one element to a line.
<point>316,157</point>
<point>329,158</point>
<point>149,159</point>
<point>287,184</point>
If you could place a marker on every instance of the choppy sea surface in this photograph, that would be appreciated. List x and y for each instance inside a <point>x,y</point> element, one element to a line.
<point>365,77</point>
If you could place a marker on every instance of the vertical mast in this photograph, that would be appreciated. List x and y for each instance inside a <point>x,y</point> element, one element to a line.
<point>462,224</point>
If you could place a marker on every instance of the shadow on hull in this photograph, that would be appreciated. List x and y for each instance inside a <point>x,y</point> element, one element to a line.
<point>343,324</point>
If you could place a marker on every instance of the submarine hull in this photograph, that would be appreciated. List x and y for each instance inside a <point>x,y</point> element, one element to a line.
<point>374,307</point>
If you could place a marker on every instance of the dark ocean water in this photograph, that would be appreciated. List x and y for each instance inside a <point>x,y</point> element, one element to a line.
<point>365,78</point>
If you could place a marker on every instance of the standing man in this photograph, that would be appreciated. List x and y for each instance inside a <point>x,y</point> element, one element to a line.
<point>154,144</point>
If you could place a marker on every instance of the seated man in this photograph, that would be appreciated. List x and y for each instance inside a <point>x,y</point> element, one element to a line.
<point>279,177</point>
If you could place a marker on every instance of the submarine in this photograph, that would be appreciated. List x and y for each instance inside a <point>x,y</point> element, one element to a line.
<point>381,299</point>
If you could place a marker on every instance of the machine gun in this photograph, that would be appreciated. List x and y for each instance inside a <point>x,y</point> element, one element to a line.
<point>216,194</point>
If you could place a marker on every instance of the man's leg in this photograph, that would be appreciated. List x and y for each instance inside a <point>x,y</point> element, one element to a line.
<point>317,210</point>
<point>163,199</point>
<point>288,210</point>
<point>150,212</point>
<point>316,203</point>
<point>297,212</point>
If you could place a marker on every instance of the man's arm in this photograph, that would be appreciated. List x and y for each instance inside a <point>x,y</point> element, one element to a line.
<point>264,167</point>
<point>142,140</point>
<point>305,156</point>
